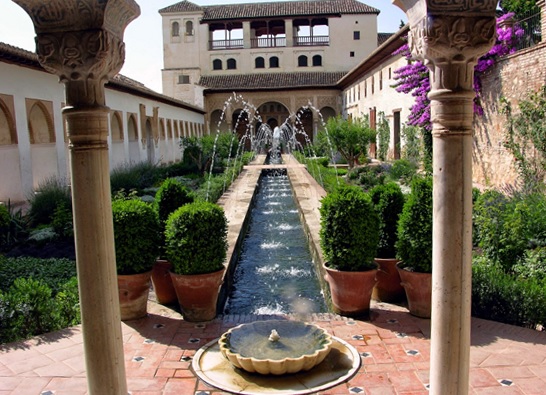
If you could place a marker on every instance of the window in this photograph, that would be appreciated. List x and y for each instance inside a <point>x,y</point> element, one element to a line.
<point>352,54</point>
<point>302,61</point>
<point>259,62</point>
<point>317,60</point>
<point>231,64</point>
<point>175,29</point>
<point>381,80</point>
<point>373,84</point>
<point>365,88</point>
<point>183,79</point>
<point>189,28</point>
<point>356,35</point>
<point>217,64</point>
<point>390,74</point>
<point>273,62</point>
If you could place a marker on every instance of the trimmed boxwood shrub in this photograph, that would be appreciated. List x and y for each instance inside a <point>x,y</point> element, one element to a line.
<point>196,238</point>
<point>414,245</point>
<point>349,233</point>
<point>171,195</point>
<point>388,200</point>
<point>136,236</point>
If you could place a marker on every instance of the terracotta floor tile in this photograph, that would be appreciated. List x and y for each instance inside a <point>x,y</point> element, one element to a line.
<point>146,384</point>
<point>511,372</point>
<point>482,378</point>
<point>531,385</point>
<point>369,380</point>
<point>405,381</point>
<point>380,391</point>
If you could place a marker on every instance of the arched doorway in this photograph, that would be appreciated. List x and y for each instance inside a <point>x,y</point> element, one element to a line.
<point>304,127</point>
<point>150,148</point>
<point>42,140</point>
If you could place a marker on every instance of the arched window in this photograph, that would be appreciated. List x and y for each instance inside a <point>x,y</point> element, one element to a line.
<point>273,62</point>
<point>217,64</point>
<point>317,60</point>
<point>189,28</point>
<point>231,64</point>
<point>302,61</point>
<point>259,62</point>
<point>175,29</point>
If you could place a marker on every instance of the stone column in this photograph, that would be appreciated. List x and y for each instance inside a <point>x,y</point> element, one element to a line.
<point>450,37</point>
<point>82,42</point>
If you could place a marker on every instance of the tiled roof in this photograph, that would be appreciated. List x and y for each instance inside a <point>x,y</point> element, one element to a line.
<point>273,9</point>
<point>382,37</point>
<point>16,55</point>
<point>271,81</point>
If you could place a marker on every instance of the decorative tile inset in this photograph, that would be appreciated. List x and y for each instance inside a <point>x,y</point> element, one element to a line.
<point>185,358</point>
<point>159,326</point>
<point>366,354</point>
<point>351,322</point>
<point>392,321</point>
<point>47,393</point>
<point>194,340</point>
<point>356,390</point>
<point>149,341</point>
<point>506,382</point>
<point>138,359</point>
<point>200,326</point>
<point>358,337</point>
<point>401,335</point>
<point>412,352</point>
<point>202,393</point>
<point>427,386</point>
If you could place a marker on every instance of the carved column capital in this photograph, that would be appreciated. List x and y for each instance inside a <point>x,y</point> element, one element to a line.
<point>81,41</point>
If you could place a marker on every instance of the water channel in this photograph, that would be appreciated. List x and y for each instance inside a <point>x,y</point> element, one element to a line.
<point>275,273</point>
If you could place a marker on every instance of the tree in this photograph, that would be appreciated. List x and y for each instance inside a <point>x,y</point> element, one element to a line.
<point>349,137</point>
<point>201,151</point>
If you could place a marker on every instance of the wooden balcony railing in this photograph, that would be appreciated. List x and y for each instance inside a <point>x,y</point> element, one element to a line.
<point>269,42</point>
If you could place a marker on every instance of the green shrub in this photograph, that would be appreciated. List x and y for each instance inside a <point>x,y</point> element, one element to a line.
<point>62,223</point>
<point>370,176</point>
<point>502,297</point>
<point>5,223</point>
<point>349,233</point>
<point>52,193</point>
<point>414,245</point>
<point>403,170</point>
<point>131,176</point>
<point>136,236</point>
<point>171,195</point>
<point>52,272</point>
<point>196,238</point>
<point>68,304</point>
<point>532,265</point>
<point>388,200</point>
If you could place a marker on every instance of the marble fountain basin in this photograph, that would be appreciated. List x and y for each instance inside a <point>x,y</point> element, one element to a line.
<point>275,347</point>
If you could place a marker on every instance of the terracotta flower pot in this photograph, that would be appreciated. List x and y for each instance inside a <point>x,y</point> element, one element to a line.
<point>161,280</point>
<point>388,287</point>
<point>418,288</point>
<point>351,291</point>
<point>133,295</point>
<point>198,294</point>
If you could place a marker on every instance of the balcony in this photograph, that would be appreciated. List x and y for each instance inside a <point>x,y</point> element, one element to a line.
<point>302,41</point>
<point>226,44</point>
<point>269,42</point>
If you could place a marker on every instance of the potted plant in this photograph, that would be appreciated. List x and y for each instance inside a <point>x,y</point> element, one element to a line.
<point>349,237</point>
<point>414,247</point>
<point>196,245</point>
<point>171,195</point>
<point>136,238</point>
<point>388,201</point>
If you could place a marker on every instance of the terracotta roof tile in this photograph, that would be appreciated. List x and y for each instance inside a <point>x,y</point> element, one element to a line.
<point>271,81</point>
<point>273,9</point>
<point>382,37</point>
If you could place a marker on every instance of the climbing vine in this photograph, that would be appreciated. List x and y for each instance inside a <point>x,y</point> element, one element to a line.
<point>384,134</point>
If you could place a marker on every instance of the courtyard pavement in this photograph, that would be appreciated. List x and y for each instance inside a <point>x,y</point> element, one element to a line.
<point>393,345</point>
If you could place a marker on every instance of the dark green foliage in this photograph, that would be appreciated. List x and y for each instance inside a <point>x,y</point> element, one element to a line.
<point>520,7</point>
<point>62,223</point>
<point>371,176</point>
<point>384,134</point>
<point>327,177</point>
<point>532,264</point>
<point>53,272</point>
<point>171,195</point>
<point>130,176</point>
<point>29,308</point>
<point>388,200</point>
<point>136,236</point>
<point>203,151</point>
<point>51,193</point>
<point>413,144</point>
<point>5,223</point>
<point>504,298</point>
<point>403,170</point>
<point>349,233</point>
<point>196,238</point>
<point>414,245</point>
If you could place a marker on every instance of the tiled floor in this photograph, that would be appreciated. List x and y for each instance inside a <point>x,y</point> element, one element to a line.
<point>394,347</point>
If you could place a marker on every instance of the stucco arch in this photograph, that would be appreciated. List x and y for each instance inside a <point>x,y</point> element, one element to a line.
<point>132,137</point>
<point>40,124</point>
<point>303,123</point>
<point>116,126</point>
<point>327,113</point>
<point>8,133</point>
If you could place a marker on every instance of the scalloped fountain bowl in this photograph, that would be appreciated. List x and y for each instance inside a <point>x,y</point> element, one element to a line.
<point>275,347</point>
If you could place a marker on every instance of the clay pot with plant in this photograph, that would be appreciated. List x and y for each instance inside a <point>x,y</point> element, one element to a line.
<point>196,245</point>
<point>136,238</point>
<point>388,200</point>
<point>349,237</point>
<point>171,195</point>
<point>414,247</point>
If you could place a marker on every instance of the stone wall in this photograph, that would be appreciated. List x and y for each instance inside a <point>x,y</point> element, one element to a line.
<point>513,78</point>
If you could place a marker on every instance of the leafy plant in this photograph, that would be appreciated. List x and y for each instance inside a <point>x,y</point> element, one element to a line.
<point>196,238</point>
<point>201,151</point>
<point>136,236</point>
<point>412,150</point>
<point>51,193</point>
<point>62,223</point>
<point>349,233</point>
<point>388,200</point>
<point>414,245</point>
<point>370,176</point>
<point>134,176</point>
<point>384,134</point>
<point>53,272</point>
<point>171,195</point>
<point>402,170</point>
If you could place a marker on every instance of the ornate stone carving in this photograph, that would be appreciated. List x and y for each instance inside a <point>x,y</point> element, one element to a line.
<point>461,5</point>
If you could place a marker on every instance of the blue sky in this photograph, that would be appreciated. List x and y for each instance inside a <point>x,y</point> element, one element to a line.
<point>144,53</point>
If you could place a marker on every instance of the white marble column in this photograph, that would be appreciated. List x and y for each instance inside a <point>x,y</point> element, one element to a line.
<point>450,37</point>
<point>81,41</point>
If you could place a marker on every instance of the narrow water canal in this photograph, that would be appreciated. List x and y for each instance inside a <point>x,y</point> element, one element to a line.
<point>275,273</point>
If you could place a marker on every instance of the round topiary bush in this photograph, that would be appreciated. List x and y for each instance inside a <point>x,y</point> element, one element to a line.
<point>349,233</point>
<point>414,245</point>
<point>136,236</point>
<point>171,195</point>
<point>388,200</point>
<point>196,238</point>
